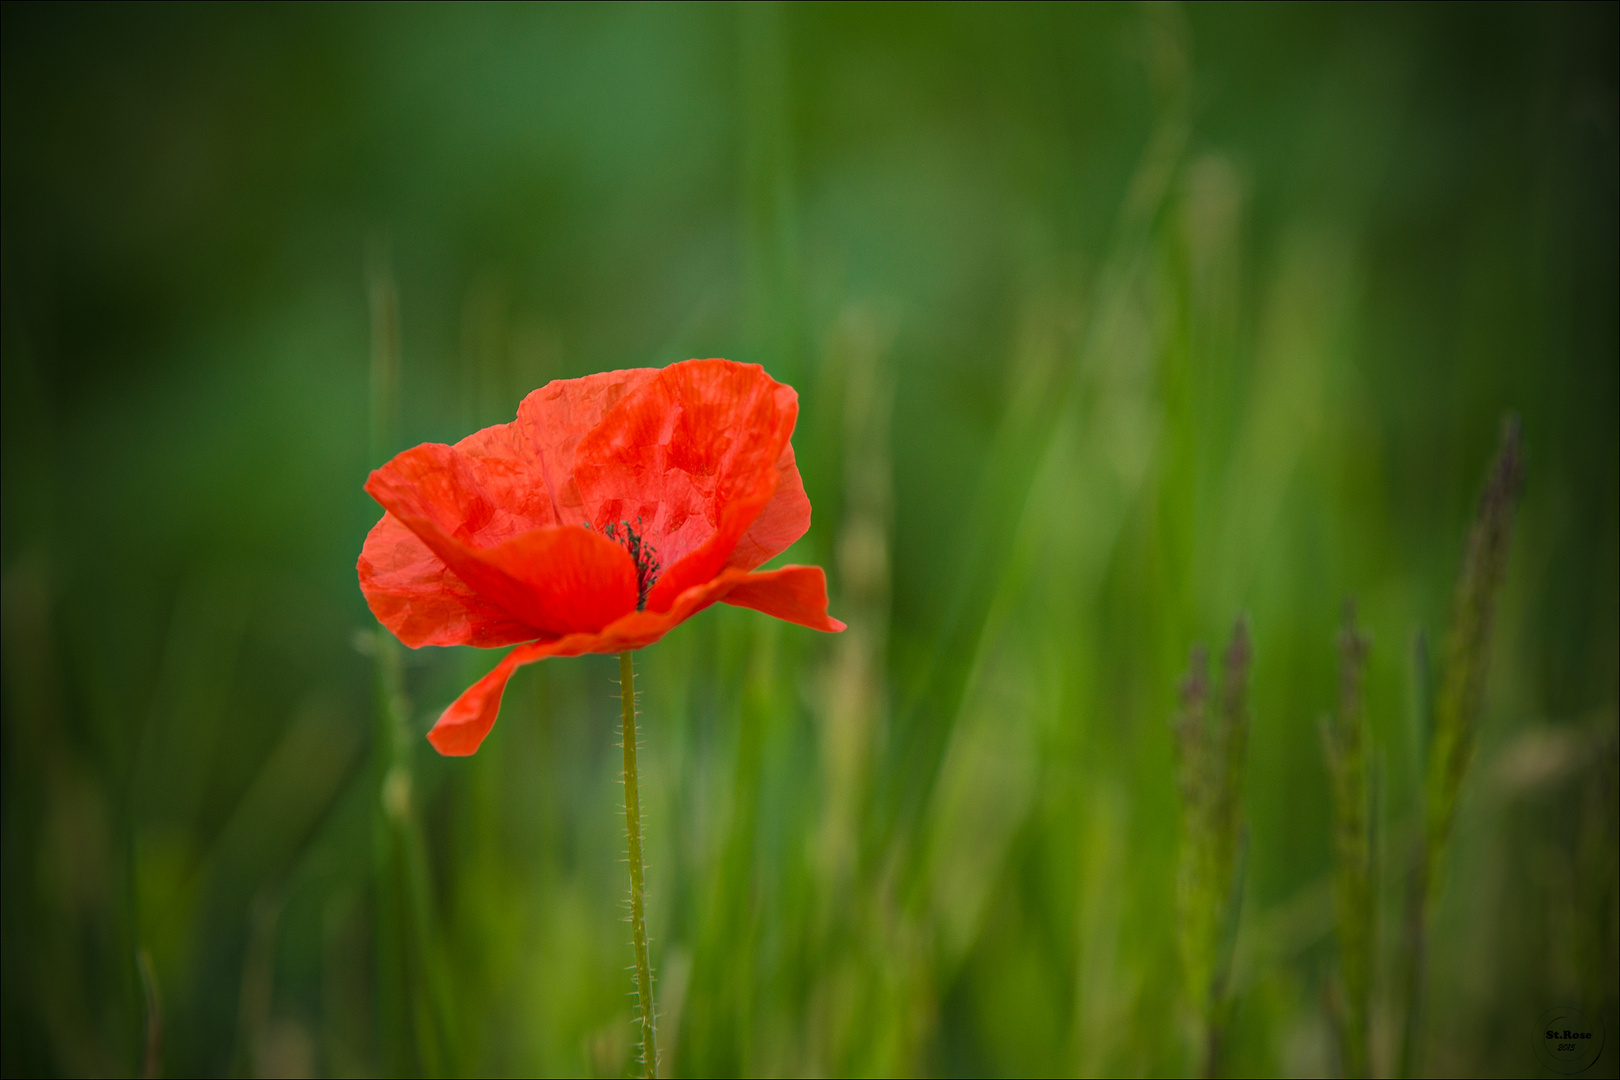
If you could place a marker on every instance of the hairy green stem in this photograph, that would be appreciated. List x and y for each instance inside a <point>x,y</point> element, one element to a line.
<point>632,825</point>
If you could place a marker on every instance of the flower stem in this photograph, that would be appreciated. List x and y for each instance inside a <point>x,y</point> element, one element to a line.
<point>632,825</point>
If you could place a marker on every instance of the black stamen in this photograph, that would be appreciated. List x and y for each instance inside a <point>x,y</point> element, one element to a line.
<point>644,555</point>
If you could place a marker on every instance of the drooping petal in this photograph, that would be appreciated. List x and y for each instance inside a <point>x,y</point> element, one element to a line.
<point>639,629</point>
<point>553,420</point>
<point>785,518</point>
<point>795,594</point>
<point>692,456</point>
<point>418,597</point>
<point>462,727</point>
<point>557,579</point>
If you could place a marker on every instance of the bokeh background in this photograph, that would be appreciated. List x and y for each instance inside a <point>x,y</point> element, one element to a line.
<point>1110,324</point>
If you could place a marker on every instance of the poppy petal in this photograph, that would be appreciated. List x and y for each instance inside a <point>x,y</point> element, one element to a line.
<point>795,594</point>
<point>462,727</point>
<point>468,719</point>
<point>554,418</point>
<point>504,464</point>
<point>414,594</point>
<point>785,518</point>
<point>555,579</point>
<point>578,581</point>
<point>692,455</point>
<point>639,629</point>
<point>748,501</point>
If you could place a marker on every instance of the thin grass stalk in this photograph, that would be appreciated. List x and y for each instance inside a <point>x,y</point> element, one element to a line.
<point>1449,723</point>
<point>431,991</point>
<point>389,708</point>
<point>1465,661</point>
<point>1414,931</point>
<point>1345,746</point>
<point>632,826</point>
<point>1211,747</point>
<point>412,991</point>
<point>1232,833</point>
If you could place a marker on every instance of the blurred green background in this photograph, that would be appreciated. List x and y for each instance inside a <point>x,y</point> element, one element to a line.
<point>1110,324</point>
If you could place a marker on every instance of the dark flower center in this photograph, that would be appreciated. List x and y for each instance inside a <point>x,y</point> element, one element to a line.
<point>643,553</point>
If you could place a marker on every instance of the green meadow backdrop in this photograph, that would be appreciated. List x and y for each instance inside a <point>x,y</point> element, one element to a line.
<point>1112,325</point>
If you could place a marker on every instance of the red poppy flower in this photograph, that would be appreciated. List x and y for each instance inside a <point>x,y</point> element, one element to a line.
<point>613,508</point>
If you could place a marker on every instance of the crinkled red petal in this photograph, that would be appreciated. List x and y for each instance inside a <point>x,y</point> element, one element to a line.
<point>524,472</point>
<point>690,458</point>
<point>415,595</point>
<point>504,465</point>
<point>785,518</point>
<point>556,579</point>
<point>553,420</point>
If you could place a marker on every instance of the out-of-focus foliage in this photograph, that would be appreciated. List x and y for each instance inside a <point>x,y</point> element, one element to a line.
<point>1110,323</point>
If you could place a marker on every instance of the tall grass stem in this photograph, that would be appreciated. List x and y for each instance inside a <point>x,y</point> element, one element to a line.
<point>1345,747</point>
<point>1449,712</point>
